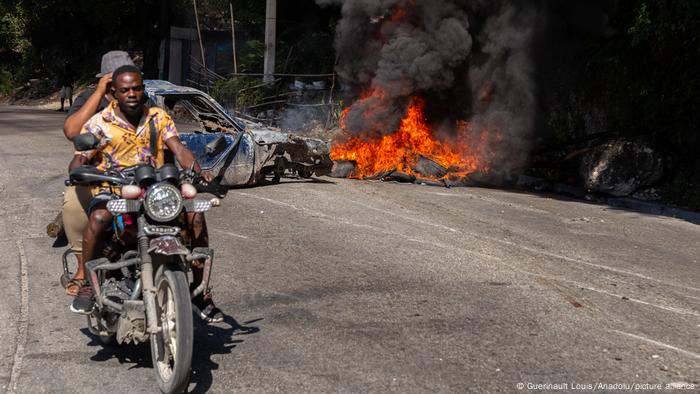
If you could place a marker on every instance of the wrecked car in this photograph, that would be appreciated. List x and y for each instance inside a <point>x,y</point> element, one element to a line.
<point>238,152</point>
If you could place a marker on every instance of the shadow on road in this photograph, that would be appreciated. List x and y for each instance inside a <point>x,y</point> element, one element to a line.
<point>209,339</point>
<point>138,355</point>
<point>623,204</point>
<point>567,193</point>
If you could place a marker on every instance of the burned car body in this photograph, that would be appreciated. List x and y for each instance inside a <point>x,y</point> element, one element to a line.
<point>236,151</point>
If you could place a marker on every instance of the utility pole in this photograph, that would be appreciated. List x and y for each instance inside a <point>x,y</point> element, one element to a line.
<point>201,46</point>
<point>233,40</point>
<point>270,27</point>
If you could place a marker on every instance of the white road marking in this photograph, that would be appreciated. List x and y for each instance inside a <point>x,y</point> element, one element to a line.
<point>276,202</point>
<point>23,320</point>
<point>689,296</point>
<point>537,251</point>
<point>681,311</point>
<point>230,234</point>
<point>412,219</point>
<point>510,243</point>
<point>657,343</point>
<point>340,220</point>
<point>579,261</point>
<point>528,208</point>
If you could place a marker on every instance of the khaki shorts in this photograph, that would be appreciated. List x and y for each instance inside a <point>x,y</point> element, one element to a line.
<point>76,200</point>
<point>66,92</point>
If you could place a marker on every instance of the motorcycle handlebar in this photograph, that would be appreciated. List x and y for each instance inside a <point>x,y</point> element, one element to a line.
<point>89,175</point>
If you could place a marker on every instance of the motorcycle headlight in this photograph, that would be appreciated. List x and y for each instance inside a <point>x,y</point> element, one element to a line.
<point>163,202</point>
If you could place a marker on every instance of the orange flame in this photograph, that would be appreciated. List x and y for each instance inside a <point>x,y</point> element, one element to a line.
<point>414,138</point>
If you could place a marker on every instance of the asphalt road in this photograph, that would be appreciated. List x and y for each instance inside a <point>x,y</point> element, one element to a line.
<point>353,286</point>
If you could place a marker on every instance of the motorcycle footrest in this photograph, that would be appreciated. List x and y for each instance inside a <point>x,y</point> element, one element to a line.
<point>200,253</point>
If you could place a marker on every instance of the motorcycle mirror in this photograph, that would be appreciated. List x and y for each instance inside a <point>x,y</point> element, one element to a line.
<point>85,142</point>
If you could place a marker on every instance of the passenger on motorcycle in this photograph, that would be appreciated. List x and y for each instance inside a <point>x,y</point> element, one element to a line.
<point>124,134</point>
<point>77,198</point>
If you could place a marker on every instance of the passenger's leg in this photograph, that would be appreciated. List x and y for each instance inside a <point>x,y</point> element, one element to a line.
<point>93,236</point>
<point>100,220</point>
<point>75,219</point>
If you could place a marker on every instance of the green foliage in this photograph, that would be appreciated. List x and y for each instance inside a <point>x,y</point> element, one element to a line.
<point>642,27</point>
<point>13,25</point>
<point>252,60</point>
<point>239,92</point>
<point>36,36</point>
<point>648,73</point>
<point>15,47</point>
<point>242,91</point>
<point>6,82</point>
<point>643,74</point>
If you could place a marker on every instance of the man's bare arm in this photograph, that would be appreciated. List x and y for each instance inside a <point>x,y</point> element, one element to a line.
<point>185,157</point>
<point>74,123</point>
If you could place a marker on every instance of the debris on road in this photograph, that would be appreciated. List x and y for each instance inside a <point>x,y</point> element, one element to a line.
<point>620,167</point>
<point>342,169</point>
<point>55,227</point>
<point>429,168</point>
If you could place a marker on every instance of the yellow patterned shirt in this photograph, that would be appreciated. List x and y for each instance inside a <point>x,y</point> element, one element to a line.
<point>122,145</point>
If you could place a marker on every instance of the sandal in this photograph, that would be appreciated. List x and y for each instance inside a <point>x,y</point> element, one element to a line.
<point>73,287</point>
<point>204,307</point>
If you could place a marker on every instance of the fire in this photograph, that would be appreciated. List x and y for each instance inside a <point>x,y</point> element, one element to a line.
<point>402,149</point>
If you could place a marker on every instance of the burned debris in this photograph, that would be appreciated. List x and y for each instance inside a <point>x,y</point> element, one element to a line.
<point>424,172</point>
<point>429,168</point>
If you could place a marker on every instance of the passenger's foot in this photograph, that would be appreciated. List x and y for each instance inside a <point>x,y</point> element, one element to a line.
<point>83,302</point>
<point>204,306</point>
<point>73,287</point>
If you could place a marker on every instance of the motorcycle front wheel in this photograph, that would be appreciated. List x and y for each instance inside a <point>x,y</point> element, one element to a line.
<point>171,349</point>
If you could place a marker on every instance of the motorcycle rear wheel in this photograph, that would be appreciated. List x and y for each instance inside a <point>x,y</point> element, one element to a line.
<point>171,349</point>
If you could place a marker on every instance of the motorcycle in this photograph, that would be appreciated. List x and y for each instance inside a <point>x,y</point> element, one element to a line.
<point>141,287</point>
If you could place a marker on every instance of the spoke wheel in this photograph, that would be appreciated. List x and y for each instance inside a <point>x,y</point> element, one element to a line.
<point>171,348</point>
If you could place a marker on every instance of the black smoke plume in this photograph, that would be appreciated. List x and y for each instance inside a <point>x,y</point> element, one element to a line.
<point>472,59</point>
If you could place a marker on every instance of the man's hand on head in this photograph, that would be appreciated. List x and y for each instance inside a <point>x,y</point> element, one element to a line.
<point>75,121</point>
<point>103,84</point>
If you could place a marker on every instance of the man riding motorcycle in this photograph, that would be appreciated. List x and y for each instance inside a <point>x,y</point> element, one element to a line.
<point>124,130</point>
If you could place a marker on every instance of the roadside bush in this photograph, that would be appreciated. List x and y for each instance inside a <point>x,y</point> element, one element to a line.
<point>6,82</point>
<point>238,91</point>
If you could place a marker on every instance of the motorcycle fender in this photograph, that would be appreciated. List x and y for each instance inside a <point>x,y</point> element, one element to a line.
<point>167,245</point>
